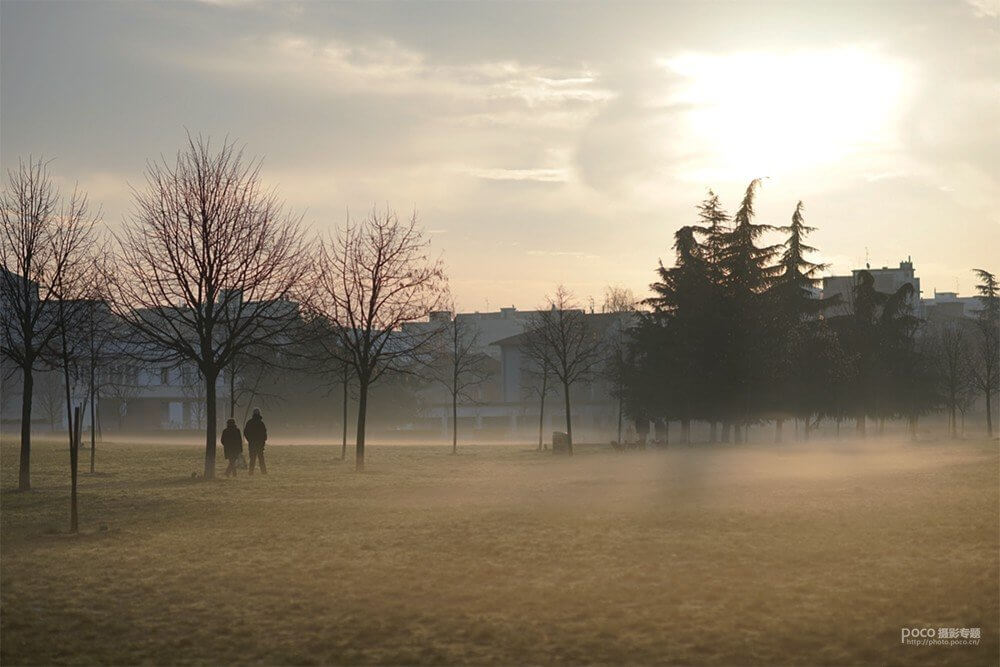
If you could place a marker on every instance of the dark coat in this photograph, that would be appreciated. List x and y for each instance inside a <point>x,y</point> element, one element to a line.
<point>255,431</point>
<point>232,442</point>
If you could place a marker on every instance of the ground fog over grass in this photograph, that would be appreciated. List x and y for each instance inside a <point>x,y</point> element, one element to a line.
<point>800,553</point>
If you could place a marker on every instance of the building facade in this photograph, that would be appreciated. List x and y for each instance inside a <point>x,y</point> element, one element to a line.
<point>887,280</point>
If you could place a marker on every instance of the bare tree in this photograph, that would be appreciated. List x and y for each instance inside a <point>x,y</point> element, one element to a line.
<point>322,351</point>
<point>459,365</point>
<point>621,302</point>
<point>560,337</point>
<point>70,291</point>
<point>121,382</point>
<point>69,350</point>
<point>246,375</point>
<point>48,389</point>
<point>193,388</point>
<point>99,332</point>
<point>538,381</point>
<point>344,375</point>
<point>43,241</point>
<point>985,362</point>
<point>207,265</point>
<point>370,279</point>
<point>950,354</point>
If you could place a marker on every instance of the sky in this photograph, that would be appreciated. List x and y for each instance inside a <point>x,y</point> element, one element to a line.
<point>541,143</point>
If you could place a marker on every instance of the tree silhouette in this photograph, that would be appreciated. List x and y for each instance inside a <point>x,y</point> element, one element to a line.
<point>561,339</point>
<point>746,275</point>
<point>206,267</point>
<point>458,364</point>
<point>878,334</point>
<point>370,279</point>
<point>986,358</point>
<point>620,302</point>
<point>686,332</point>
<point>44,241</point>
<point>949,354</point>
<point>793,307</point>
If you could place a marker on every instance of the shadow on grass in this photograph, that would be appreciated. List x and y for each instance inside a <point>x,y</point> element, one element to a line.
<point>85,535</point>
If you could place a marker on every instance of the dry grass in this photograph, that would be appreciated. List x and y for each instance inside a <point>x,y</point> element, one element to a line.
<point>807,554</point>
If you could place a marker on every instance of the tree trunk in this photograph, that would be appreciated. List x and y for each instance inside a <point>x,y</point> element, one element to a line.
<point>454,423</point>
<point>569,421</point>
<point>541,410</point>
<point>93,417</point>
<point>737,433</point>
<point>778,426</point>
<point>24,472</point>
<point>359,447</point>
<point>343,434</point>
<point>74,457</point>
<point>210,410</point>
<point>913,427</point>
<point>619,416</point>
<point>69,399</point>
<point>686,431</point>
<point>806,429</point>
<point>725,432</point>
<point>860,423</point>
<point>989,414</point>
<point>232,395</point>
<point>666,431</point>
<point>713,433</point>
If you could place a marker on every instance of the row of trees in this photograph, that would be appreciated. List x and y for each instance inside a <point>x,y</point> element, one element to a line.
<point>736,335</point>
<point>207,271</point>
<point>210,271</point>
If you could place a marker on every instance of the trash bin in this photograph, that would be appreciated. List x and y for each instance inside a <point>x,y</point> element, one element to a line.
<point>560,442</point>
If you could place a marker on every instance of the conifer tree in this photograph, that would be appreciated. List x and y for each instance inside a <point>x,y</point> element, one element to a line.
<point>792,326</point>
<point>879,336</point>
<point>797,276</point>
<point>986,360</point>
<point>681,303</point>
<point>746,274</point>
<point>714,222</point>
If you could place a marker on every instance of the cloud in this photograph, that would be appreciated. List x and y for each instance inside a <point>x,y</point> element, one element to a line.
<point>226,3</point>
<point>572,129</point>
<point>563,253</point>
<point>384,67</point>
<point>540,175</point>
<point>985,8</point>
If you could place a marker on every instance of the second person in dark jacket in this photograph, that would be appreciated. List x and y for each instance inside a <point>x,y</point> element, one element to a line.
<point>256,435</point>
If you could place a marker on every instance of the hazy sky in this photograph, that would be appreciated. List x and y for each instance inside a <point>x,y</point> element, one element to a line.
<point>542,143</point>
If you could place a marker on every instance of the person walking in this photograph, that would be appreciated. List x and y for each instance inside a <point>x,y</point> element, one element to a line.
<point>232,445</point>
<point>256,434</point>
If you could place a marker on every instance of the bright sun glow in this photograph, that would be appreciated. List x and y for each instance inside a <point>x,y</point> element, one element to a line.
<point>769,114</point>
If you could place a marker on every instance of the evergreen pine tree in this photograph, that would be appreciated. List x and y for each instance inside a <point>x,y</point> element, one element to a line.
<point>746,274</point>
<point>986,360</point>
<point>681,295</point>
<point>794,308</point>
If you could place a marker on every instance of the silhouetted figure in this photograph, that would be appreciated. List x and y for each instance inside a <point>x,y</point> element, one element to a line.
<point>256,434</point>
<point>232,446</point>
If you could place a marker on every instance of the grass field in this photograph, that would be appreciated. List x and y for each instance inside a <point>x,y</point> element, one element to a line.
<point>808,554</point>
